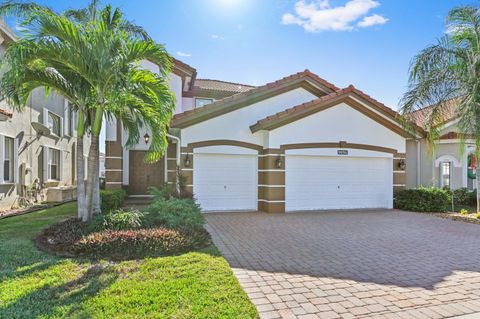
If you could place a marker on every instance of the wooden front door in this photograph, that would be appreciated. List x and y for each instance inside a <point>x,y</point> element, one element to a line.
<point>143,175</point>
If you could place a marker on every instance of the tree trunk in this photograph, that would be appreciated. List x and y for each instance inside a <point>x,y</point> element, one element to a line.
<point>92,168</point>
<point>81,207</point>
<point>96,186</point>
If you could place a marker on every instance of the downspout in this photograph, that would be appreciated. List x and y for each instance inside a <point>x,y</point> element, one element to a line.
<point>177,139</point>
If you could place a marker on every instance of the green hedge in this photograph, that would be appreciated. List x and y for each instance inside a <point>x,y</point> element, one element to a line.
<point>423,200</point>
<point>112,199</point>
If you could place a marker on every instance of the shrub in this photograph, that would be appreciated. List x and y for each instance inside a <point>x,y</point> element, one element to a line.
<point>477,215</point>
<point>112,199</point>
<point>463,212</point>
<point>175,213</point>
<point>62,235</point>
<point>117,220</point>
<point>169,191</point>
<point>423,200</point>
<point>461,196</point>
<point>126,244</point>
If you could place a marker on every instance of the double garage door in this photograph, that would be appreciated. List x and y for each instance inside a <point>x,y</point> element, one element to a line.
<point>230,182</point>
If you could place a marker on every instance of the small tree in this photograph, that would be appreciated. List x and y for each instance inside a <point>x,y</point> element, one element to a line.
<point>447,72</point>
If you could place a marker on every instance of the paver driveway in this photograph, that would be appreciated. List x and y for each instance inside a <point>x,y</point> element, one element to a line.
<point>385,264</point>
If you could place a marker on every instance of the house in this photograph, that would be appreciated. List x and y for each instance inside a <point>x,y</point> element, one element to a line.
<point>299,143</point>
<point>37,146</point>
<point>450,163</point>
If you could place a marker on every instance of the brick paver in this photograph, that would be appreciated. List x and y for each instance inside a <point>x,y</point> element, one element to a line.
<point>378,264</point>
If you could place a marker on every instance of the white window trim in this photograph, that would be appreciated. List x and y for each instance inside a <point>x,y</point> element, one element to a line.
<point>15,159</point>
<point>202,98</point>
<point>45,122</point>
<point>448,158</point>
<point>450,174</point>
<point>46,170</point>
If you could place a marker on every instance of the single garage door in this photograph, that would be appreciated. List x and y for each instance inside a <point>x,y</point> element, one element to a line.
<point>225,182</point>
<point>322,182</point>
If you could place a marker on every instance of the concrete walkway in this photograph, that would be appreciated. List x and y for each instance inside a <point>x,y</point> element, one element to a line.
<point>378,264</point>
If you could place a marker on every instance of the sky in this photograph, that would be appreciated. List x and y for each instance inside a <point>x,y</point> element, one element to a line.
<point>367,43</point>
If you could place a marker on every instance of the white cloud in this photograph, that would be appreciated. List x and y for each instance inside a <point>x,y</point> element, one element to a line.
<point>319,15</point>
<point>217,37</point>
<point>184,54</point>
<point>372,20</point>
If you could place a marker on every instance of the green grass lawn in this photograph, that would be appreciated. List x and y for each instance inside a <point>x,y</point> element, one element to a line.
<point>34,284</point>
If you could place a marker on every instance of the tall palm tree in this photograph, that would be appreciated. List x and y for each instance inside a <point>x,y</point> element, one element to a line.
<point>104,58</point>
<point>450,69</point>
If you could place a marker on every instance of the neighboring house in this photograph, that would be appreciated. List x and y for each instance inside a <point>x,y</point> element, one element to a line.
<point>37,146</point>
<point>449,164</point>
<point>299,143</point>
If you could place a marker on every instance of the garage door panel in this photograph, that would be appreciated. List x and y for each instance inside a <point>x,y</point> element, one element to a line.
<point>319,182</point>
<point>225,182</point>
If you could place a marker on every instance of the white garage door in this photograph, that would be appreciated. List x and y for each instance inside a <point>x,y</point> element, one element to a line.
<point>316,183</point>
<point>225,182</point>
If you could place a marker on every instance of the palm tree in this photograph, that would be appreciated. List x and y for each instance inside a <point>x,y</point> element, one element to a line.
<point>103,56</point>
<point>449,69</point>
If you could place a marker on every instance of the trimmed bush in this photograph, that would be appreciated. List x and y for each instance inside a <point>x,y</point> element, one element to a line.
<point>423,200</point>
<point>112,199</point>
<point>127,244</point>
<point>117,220</point>
<point>175,213</point>
<point>462,196</point>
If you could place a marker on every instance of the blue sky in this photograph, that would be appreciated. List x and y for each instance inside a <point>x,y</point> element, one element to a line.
<point>368,43</point>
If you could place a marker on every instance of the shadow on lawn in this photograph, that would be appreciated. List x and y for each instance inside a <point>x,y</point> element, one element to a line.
<point>48,300</point>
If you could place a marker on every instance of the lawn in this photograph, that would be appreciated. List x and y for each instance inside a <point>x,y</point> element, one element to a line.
<point>34,284</point>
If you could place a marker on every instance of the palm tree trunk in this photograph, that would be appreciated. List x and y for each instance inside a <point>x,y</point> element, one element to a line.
<point>81,208</point>
<point>96,185</point>
<point>92,167</point>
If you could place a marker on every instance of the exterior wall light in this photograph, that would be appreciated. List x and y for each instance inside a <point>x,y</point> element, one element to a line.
<point>278,162</point>
<point>402,165</point>
<point>187,161</point>
<point>147,138</point>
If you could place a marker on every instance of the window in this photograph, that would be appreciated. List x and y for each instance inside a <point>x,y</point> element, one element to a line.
<point>53,164</point>
<point>54,124</point>
<point>8,154</point>
<point>199,102</point>
<point>445,174</point>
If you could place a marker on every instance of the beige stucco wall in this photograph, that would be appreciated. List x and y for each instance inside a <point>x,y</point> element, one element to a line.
<point>429,171</point>
<point>30,146</point>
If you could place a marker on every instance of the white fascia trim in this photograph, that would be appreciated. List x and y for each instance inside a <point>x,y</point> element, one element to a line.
<point>114,183</point>
<point>187,169</point>
<point>113,157</point>
<point>113,170</point>
<point>456,141</point>
<point>399,185</point>
<point>399,172</point>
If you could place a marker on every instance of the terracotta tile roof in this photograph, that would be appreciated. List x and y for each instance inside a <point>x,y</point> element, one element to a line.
<point>178,63</point>
<point>454,136</point>
<point>3,112</point>
<point>258,90</point>
<point>223,86</point>
<point>448,113</point>
<point>313,103</point>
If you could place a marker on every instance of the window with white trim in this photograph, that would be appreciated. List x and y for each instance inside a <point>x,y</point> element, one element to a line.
<point>54,124</point>
<point>199,102</point>
<point>53,164</point>
<point>445,175</point>
<point>8,159</point>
